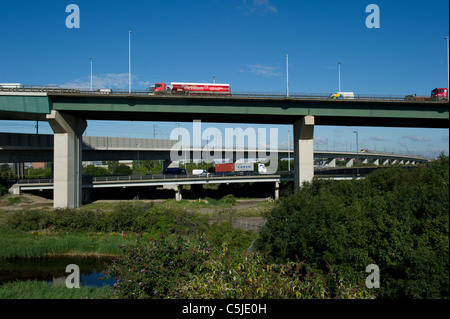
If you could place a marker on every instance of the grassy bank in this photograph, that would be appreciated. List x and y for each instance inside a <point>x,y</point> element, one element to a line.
<point>32,289</point>
<point>37,243</point>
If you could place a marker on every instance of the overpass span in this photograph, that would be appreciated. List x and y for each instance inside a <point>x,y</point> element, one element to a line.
<point>19,148</point>
<point>67,113</point>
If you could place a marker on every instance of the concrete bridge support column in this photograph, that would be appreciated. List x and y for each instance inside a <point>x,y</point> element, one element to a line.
<point>376,162</point>
<point>349,162</point>
<point>67,158</point>
<point>303,150</point>
<point>277,191</point>
<point>331,162</point>
<point>178,195</point>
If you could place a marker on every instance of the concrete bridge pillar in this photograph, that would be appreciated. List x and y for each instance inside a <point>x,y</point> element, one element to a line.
<point>178,194</point>
<point>376,162</point>
<point>331,162</point>
<point>303,150</point>
<point>67,158</point>
<point>349,162</point>
<point>277,191</point>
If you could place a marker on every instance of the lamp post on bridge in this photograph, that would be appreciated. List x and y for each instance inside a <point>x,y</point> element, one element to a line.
<point>357,153</point>
<point>91,72</point>
<point>339,71</point>
<point>129,62</point>
<point>287,75</point>
<point>447,66</point>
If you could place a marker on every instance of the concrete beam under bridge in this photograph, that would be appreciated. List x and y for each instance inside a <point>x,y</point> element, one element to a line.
<point>68,131</point>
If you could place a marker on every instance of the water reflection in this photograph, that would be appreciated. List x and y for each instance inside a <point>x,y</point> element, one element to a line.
<point>53,269</point>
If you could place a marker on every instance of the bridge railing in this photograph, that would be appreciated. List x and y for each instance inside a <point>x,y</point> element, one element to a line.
<point>275,95</point>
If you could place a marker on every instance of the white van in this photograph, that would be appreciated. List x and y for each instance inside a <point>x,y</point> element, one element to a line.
<point>199,172</point>
<point>262,169</point>
<point>342,95</point>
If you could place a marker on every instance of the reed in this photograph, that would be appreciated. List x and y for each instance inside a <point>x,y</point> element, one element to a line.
<point>17,244</point>
<point>33,289</point>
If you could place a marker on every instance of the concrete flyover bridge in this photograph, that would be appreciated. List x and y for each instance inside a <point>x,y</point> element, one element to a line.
<point>67,112</point>
<point>20,148</point>
<point>174,182</point>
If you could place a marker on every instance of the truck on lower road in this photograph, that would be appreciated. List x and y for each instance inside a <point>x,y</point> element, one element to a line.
<point>174,171</point>
<point>190,88</point>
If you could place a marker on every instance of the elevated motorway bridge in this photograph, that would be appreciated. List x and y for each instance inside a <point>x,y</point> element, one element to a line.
<point>20,148</point>
<point>67,112</point>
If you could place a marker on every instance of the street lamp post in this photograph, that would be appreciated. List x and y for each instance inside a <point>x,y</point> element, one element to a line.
<point>339,76</point>
<point>139,166</point>
<point>129,62</point>
<point>357,153</point>
<point>447,66</point>
<point>289,151</point>
<point>287,75</point>
<point>91,72</point>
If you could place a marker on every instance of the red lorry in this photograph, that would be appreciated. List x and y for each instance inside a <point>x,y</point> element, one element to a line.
<point>225,167</point>
<point>438,94</point>
<point>190,88</point>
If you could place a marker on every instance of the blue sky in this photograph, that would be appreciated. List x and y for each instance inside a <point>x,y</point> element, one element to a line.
<point>241,42</point>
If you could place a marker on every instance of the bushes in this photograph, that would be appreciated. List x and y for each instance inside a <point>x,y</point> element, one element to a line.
<point>396,219</point>
<point>125,217</point>
<point>3,190</point>
<point>250,277</point>
<point>190,267</point>
<point>153,269</point>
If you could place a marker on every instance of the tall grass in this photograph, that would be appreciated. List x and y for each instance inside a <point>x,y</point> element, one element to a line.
<point>33,289</point>
<point>37,244</point>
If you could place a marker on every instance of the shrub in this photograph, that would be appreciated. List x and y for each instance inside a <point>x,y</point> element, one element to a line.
<point>151,270</point>
<point>189,267</point>
<point>125,217</point>
<point>3,190</point>
<point>229,199</point>
<point>396,219</point>
<point>250,277</point>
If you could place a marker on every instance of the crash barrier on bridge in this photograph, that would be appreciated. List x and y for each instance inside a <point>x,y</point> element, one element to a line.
<point>121,143</point>
<point>59,90</point>
<point>87,179</point>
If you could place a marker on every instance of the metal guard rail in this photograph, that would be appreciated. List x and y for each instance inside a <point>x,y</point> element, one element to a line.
<point>59,90</point>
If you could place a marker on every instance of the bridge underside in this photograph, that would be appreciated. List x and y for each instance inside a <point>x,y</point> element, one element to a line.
<point>67,115</point>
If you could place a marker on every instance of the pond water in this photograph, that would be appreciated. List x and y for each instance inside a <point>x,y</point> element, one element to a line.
<point>53,270</point>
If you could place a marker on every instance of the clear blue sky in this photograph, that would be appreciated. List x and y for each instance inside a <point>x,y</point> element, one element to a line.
<point>241,42</point>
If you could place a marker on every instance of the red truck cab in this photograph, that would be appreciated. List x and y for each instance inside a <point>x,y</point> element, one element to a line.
<point>160,87</point>
<point>439,94</point>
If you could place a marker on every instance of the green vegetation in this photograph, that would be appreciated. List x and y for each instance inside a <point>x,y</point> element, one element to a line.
<point>316,242</point>
<point>178,266</point>
<point>3,190</point>
<point>35,244</point>
<point>396,219</point>
<point>32,289</point>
